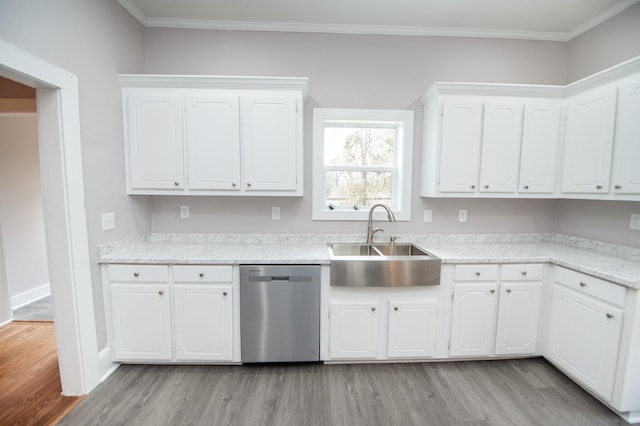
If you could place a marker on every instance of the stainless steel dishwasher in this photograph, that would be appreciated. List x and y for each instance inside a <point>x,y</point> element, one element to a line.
<point>280,313</point>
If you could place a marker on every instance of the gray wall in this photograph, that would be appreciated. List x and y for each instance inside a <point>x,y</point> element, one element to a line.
<point>94,40</point>
<point>357,72</point>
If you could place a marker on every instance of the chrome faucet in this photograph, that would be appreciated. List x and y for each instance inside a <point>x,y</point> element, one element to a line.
<point>370,231</point>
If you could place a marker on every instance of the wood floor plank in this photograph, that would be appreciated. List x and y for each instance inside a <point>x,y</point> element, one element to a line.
<point>516,392</point>
<point>30,389</point>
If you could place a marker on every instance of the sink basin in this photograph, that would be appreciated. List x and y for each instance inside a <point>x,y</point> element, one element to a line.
<point>382,265</point>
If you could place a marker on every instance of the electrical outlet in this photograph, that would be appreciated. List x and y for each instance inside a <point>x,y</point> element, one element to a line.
<point>428,216</point>
<point>108,221</point>
<point>635,221</point>
<point>275,213</point>
<point>462,215</point>
<point>184,212</point>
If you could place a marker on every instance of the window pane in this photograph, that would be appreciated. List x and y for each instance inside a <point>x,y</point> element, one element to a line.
<point>359,146</point>
<point>346,188</point>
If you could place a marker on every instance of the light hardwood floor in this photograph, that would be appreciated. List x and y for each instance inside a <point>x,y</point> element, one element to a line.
<point>515,392</point>
<point>30,390</point>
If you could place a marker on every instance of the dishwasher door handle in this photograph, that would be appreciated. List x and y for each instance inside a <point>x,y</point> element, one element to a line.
<point>278,278</point>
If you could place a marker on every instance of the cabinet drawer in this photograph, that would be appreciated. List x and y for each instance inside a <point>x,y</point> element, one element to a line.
<point>475,273</point>
<point>204,274</point>
<point>593,286</point>
<point>522,272</point>
<point>139,273</point>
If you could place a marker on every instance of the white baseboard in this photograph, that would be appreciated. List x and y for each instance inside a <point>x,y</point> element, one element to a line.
<point>106,365</point>
<point>29,296</point>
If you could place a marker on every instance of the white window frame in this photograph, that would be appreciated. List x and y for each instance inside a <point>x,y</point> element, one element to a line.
<point>401,191</point>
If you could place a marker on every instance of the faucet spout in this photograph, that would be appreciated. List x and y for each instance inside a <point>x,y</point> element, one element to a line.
<point>370,230</point>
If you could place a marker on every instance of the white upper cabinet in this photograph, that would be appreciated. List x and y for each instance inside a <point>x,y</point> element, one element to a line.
<point>539,146</point>
<point>270,131</point>
<point>153,122</point>
<point>626,154</point>
<point>213,142</point>
<point>589,141</point>
<point>232,135</point>
<point>460,138</point>
<point>501,136</point>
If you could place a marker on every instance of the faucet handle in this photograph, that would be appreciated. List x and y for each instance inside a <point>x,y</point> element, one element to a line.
<point>393,238</point>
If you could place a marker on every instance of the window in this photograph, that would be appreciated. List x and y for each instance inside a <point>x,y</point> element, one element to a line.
<point>361,158</point>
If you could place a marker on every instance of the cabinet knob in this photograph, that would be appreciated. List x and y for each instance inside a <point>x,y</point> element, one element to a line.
<point>224,293</point>
<point>136,274</point>
<point>477,274</point>
<point>373,309</point>
<point>233,184</point>
<point>201,274</point>
<point>473,187</point>
<point>508,290</point>
<point>161,292</point>
<point>526,187</point>
<point>618,186</point>
<point>176,183</point>
<point>524,273</point>
<point>598,186</point>
<point>583,284</point>
<point>395,308</point>
<point>492,291</point>
<point>249,184</point>
<point>486,187</point>
<point>609,316</point>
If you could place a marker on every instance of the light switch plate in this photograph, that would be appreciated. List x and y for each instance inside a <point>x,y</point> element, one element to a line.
<point>635,221</point>
<point>184,212</point>
<point>428,215</point>
<point>108,221</point>
<point>462,215</point>
<point>275,213</point>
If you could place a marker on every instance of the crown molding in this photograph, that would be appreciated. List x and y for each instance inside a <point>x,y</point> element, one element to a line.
<point>134,11</point>
<point>607,14</point>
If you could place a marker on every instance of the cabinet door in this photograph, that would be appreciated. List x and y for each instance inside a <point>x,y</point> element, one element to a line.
<point>626,172</point>
<point>584,338</point>
<point>518,317</point>
<point>472,319</point>
<point>412,329</point>
<point>213,142</point>
<point>270,143</point>
<point>154,138</point>
<point>589,141</point>
<point>460,137</point>
<point>501,139</point>
<point>203,322</point>
<point>353,331</point>
<point>539,144</point>
<point>141,322</point>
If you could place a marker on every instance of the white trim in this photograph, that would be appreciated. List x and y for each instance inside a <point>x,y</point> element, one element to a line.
<point>607,14</point>
<point>107,366</point>
<point>404,155</point>
<point>65,217</point>
<point>30,296</point>
<point>134,11</point>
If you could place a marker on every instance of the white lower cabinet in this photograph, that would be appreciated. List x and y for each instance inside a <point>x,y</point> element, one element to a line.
<point>518,318</point>
<point>353,330</point>
<point>156,318</point>
<point>585,332</point>
<point>473,319</point>
<point>412,329</point>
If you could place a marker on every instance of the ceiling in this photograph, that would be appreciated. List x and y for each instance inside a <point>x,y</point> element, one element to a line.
<point>557,20</point>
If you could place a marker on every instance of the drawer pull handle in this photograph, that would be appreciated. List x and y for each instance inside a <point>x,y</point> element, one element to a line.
<point>395,308</point>
<point>598,186</point>
<point>583,284</point>
<point>524,273</point>
<point>477,274</point>
<point>135,274</point>
<point>373,309</point>
<point>161,292</point>
<point>508,290</point>
<point>492,291</point>
<point>176,183</point>
<point>526,187</point>
<point>618,186</point>
<point>224,293</point>
<point>201,274</point>
<point>486,187</point>
<point>473,187</point>
<point>609,316</point>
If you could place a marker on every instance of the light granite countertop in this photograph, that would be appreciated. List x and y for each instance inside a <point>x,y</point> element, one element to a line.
<point>618,264</point>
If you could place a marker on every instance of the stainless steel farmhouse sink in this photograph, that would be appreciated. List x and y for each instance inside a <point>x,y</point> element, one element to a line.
<point>382,265</point>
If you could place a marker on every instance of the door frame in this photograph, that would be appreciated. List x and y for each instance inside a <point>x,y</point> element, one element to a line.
<point>58,106</point>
